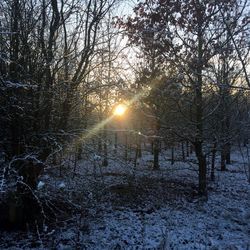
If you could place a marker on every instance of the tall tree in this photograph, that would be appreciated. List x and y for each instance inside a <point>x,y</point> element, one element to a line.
<point>184,34</point>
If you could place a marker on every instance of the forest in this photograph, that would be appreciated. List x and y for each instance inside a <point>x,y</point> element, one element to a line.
<point>125,124</point>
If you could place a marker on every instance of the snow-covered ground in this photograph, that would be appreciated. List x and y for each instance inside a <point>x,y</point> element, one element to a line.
<point>127,208</point>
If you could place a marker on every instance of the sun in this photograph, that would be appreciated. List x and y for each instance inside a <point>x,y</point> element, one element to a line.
<point>120,109</point>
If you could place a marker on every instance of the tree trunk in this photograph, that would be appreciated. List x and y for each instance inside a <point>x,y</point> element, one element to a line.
<point>228,153</point>
<point>105,148</point>
<point>183,151</point>
<point>199,110</point>
<point>187,149</point>
<point>172,155</point>
<point>202,168</point>
<point>223,159</point>
<point>136,156</point>
<point>156,154</point>
<point>213,161</point>
<point>139,147</point>
<point>13,74</point>
<point>126,146</point>
<point>156,148</point>
<point>116,141</point>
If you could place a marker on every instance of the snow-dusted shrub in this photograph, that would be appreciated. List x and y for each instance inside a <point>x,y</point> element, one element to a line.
<point>19,203</point>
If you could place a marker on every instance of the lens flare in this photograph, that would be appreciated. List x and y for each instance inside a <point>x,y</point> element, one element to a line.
<point>120,110</point>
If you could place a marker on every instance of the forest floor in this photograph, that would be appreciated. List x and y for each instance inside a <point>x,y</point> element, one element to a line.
<point>127,207</point>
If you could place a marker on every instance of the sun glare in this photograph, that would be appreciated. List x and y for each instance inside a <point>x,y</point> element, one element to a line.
<point>120,110</point>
